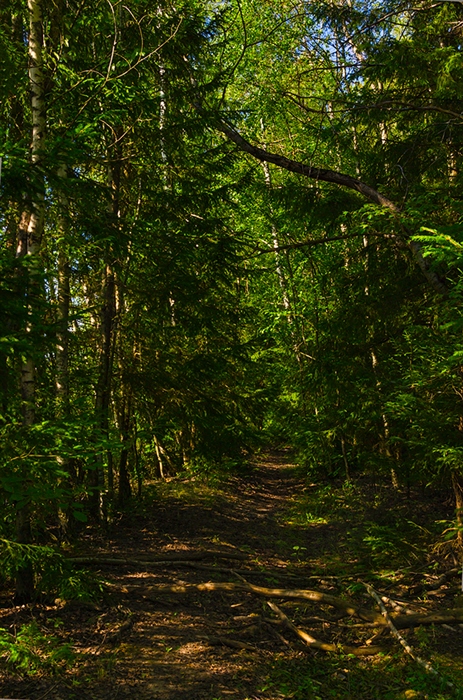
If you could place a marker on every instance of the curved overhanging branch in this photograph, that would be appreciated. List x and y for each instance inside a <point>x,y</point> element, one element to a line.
<point>343,180</point>
<point>295,166</point>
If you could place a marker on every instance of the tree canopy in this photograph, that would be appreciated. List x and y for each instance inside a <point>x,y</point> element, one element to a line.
<point>226,225</point>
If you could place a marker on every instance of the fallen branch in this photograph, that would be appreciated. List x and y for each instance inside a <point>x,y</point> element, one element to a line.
<point>294,594</point>
<point>233,643</point>
<point>442,618</point>
<point>442,580</point>
<point>159,559</point>
<point>268,623</point>
<point>179,560</point>
<point>370,617</point>
<point>425,664</point>
<point>323,646</point>
<point>155,562</point>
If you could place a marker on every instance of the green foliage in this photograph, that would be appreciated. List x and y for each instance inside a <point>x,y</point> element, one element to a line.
<point>32,650</point>
<point>188,305</point>
<point>53,573</point>
<point>15,556</point>
<point>390,677</point>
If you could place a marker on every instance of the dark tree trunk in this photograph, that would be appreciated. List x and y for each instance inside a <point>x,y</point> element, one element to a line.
<point>457,484</point>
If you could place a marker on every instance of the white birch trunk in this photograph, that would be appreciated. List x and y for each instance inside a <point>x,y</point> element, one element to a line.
<point>29,243</point>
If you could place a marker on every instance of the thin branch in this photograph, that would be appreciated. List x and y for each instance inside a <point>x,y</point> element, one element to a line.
<point>113,48</point>
<point>315,241</point>
<point>425,664</point>
<point>232,643</point>
<point>410,106</point>
<point>151,53</point>
<point>323,646</point>
<point>245,42</point>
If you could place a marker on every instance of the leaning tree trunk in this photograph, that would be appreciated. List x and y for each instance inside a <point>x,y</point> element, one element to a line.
<point>29,244</point>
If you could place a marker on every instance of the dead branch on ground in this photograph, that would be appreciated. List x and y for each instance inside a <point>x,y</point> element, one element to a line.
<point>296,594</point>
<point>425,664</point>
<point>323,646</point>
<point>401,621</point>
<point>232,643</point>
<point>110,559</point>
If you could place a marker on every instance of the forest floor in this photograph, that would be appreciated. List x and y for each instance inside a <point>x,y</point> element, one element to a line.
<point>271,528</point>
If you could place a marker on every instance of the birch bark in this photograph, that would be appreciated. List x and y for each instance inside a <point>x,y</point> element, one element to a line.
<point>29,243</point>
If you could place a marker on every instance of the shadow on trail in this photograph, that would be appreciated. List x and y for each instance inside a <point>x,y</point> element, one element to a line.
<point>172,650</point>
<point>252,516</point>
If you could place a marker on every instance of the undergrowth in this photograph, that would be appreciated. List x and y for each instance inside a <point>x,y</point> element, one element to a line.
<point>360,533</point>
<point>390,677</point>
<point>32,650</point>
<point>381,528</point>
<point>54,574</point>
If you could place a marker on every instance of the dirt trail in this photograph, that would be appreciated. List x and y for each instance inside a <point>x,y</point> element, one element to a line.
<point>167,647</point>
<point>146,645</point>
<point>246,516</point>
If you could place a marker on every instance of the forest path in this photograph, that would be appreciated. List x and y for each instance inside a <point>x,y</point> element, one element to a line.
<point>149,646</point>
<point>172,651</point>
<point>145,641</point>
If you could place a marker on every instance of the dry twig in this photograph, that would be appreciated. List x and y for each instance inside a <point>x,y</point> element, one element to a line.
<point>232,643</point>
<point>425,664</point>
<point>348,607</point>
<point>316,644</point>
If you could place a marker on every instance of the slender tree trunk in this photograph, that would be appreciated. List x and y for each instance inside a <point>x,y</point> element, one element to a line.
<point>108,336</point>
<point>158,449</point>
<point>297,334</point>
<point>344,457</point>
<point>103,391</point>
<point>29,243</point>
<point>125,425</point>
<point>457,484</point>
<point>276,246</point>
<point>64,298</point>
<point>385,434</point>
<point>62,382</point>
